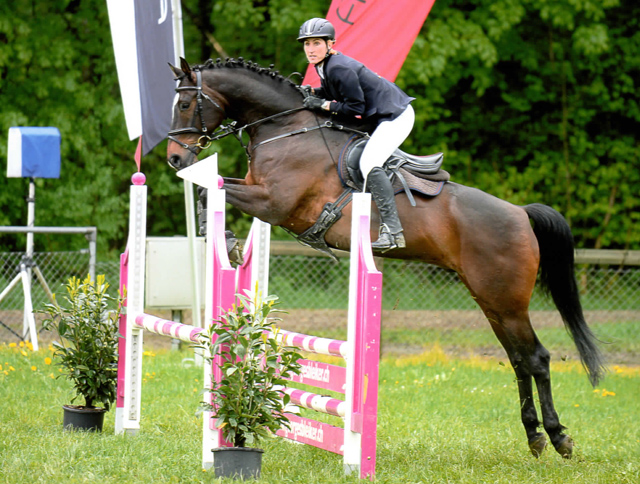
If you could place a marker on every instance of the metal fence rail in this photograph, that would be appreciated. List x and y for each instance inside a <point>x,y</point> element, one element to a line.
<point>415,295</point>
<point>303,282</point>
<point>56,267</point>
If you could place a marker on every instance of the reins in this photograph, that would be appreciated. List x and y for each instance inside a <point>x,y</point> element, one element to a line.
<point>205,139</point>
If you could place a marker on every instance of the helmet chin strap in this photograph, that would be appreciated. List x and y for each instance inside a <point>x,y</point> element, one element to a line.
<point>329,50</point>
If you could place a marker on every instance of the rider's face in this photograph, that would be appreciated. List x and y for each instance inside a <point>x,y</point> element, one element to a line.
<point>316,49</point>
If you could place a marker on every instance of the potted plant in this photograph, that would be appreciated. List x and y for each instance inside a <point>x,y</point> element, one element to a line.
<point>248,404</point>
<point>87,348</point>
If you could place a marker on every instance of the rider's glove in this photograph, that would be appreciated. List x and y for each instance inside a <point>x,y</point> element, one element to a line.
<point>314,102</point>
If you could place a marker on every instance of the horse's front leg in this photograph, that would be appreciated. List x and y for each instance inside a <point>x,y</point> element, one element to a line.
<point>241,195</point>
<point>234,181</point>
<point>254,200</point>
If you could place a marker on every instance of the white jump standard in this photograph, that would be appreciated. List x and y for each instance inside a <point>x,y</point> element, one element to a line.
<point>358,381</point>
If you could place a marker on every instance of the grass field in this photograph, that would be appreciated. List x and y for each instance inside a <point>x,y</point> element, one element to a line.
<point>441,420</point>
<point>620,342</point>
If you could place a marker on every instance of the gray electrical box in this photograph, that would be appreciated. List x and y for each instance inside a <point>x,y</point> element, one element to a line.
<point>168,280</point>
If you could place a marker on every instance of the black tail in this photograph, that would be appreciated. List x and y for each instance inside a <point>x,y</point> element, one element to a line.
<point>558,279</point>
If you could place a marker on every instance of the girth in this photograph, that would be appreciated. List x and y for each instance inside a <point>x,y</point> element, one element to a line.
<point>332,212</point>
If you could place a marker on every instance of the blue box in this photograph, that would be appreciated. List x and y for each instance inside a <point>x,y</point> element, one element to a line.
<point>33,152</point>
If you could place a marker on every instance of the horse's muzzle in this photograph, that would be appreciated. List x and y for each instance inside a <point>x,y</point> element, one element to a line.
<point>179,160</point>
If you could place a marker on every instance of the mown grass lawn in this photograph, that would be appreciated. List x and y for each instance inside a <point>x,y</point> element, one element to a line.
<point>441,420</point>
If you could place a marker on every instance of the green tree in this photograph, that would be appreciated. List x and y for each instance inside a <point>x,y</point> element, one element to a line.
<point>536,101</point>
<point>57,69</point>
<point>532,101</point>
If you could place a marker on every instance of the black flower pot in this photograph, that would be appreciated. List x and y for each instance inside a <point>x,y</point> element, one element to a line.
<point>237,462</point>
<point>83,418</point>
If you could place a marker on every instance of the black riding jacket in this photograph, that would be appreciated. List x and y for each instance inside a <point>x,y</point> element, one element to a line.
<point>355,90</point>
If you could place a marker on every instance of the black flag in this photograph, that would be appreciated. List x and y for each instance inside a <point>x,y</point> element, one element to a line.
<point>154,38</point>
<point>142,33</point>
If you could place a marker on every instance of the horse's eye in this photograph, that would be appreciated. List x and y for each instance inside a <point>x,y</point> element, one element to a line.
<point>184,106</point>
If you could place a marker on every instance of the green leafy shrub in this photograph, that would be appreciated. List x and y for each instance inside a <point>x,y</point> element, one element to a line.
<point>248,402</point>
<point>88,346</point>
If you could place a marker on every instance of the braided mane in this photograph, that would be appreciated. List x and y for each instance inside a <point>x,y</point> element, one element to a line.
<point>249,65</point>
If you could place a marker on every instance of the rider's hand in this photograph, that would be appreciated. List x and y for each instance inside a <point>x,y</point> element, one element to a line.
<point>314,102</point>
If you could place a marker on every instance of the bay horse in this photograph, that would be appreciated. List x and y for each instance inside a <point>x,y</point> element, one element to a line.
<point>495,247</point>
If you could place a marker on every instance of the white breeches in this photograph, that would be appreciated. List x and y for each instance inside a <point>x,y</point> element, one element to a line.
<point>386,138</point>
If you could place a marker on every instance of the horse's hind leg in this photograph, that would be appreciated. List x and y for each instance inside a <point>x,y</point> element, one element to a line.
<point>530,361</point>
<point>500,269</point>
<point>503,288</point>
<point>537,440</point>
<point>542,375</point>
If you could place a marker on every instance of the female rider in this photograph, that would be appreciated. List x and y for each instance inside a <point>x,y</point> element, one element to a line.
<point>349,88</point>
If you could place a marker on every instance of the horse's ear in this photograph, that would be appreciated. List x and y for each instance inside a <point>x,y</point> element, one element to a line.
<point>176,72</point>
<point>184,65</point>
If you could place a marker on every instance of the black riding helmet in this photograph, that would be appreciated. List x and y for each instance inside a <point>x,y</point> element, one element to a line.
<point>317,28</point>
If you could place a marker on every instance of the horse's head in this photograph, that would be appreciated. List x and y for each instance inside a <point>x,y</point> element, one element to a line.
<point>198,111</point>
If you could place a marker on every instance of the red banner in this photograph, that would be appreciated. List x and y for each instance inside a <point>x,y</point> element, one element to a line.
<point>378,33</point>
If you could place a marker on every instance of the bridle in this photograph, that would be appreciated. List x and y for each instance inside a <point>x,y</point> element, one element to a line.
<point>205,139</point>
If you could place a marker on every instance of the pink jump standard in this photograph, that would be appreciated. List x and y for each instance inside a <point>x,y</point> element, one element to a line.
<point>356,442</point>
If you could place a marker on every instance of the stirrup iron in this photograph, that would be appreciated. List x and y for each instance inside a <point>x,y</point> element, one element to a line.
<point>388,241</point>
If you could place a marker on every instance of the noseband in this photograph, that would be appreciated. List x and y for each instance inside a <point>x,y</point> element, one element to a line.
<point>204,141</point>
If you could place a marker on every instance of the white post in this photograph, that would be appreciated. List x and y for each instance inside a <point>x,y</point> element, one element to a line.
<point>135,306</point>
<point>92,238</point>
<point>11,285</point>
<point>178,41</point>
<point>189,203</point>
<point>31,216</point>
<point>196,303</point>
<point>28,320</point>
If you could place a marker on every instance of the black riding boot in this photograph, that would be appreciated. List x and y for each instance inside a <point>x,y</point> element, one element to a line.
<point>391,237</point>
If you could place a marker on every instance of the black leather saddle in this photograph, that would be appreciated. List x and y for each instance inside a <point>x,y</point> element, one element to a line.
<point>421,174</point>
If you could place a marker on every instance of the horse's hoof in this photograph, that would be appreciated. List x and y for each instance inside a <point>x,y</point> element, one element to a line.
<point>235,256</point>
<point>537,445</point>
<point>234,249</point>
<point>565,448</point>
